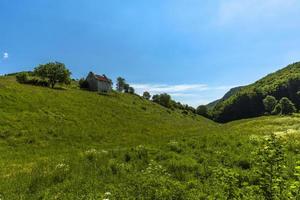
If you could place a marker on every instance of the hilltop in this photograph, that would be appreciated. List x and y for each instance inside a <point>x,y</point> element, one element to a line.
<point>248,101</point>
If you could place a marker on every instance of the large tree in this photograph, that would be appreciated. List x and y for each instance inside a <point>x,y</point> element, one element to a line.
<point>54,72</point>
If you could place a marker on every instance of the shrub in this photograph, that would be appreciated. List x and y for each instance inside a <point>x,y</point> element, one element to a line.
<point>83,84</point>
<point>202,110</point>
<point>270,162</point>
<point>22,77</point>
<point>269,103</point>
<point>131,90</point>
<point>287,107</point>
<point>277,109</point>
<point>146,95</point>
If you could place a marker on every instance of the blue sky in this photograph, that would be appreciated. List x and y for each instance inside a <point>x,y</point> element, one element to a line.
<point>193,49</point>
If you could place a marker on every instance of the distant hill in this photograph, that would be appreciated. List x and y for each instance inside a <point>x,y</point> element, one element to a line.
<point>247,101</point>
<point>231,92</point>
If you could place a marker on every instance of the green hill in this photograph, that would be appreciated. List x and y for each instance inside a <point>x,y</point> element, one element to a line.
<point>74,144</point>
<point>247,102</point>
<point>49,116</point>
<point>228,94</point>
<point>38,123</point>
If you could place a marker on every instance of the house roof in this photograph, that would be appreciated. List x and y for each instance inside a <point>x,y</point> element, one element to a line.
<point>102,78</point>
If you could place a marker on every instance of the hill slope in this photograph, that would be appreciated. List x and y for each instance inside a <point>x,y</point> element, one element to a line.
<point>228,94</point>
<point>247,102</point>
<point>73,144</point>
<point>85,115</point>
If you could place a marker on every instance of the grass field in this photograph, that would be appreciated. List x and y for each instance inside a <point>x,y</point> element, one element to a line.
<point>74,144</point>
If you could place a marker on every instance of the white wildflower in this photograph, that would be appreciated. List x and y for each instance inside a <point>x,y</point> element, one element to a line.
<point>107,193</point>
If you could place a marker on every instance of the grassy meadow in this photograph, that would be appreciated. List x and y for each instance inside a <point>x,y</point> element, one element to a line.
<point>74,144</point>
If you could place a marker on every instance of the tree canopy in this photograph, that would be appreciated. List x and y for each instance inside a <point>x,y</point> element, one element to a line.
<point>248,101</point>
<point>54,72</point>
<point>146,95</point>
<point>269,103</point>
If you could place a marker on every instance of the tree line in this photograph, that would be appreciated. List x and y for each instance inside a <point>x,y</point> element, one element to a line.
<point>53,73</point>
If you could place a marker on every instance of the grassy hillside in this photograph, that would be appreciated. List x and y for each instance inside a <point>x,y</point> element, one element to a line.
<point>73,144</point>
<point>39,123</point>
<point>247,102</point>
<point>42,117</point>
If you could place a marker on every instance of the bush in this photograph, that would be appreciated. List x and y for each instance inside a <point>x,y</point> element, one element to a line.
<point>284,107</point>
<point>146,95</point>
<point>83,84</point>
<point>25,79</point>
<point>277,109</point>
<point>269,103</point>
<point>22,77</point>
<point>38,82</point>
<point>287,107</point>
<point>202,110</point>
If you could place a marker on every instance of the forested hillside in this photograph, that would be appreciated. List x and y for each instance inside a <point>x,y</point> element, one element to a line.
<point>248,101</point>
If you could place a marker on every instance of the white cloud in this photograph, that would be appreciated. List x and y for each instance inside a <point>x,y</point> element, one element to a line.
<point>5,55</point>
<point>247,10</point>
<point>161,88</point>
<point>192,94</point>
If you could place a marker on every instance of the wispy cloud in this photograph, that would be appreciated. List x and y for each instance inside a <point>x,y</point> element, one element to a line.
<point>192,94</point>
<point>161,88</point>
<point>5,55</point>
<point>231,11</point>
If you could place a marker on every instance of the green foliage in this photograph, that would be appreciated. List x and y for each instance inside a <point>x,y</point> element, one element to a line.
<point>295,184</point>
<point>22,77</point>
<point>83,83</point>
<point>54,72</point>
<point>131,90</point>
<point>121,83</point>
<point>202,110</point>
<point>126,88</point>
<point>287,107</point>
<point>248,101</point>
<point>162,99</point>
<point>269,103</point>
<point>270,163</point>
<point>26,79</point>
<point>146,95</point>
<point>277,109</point>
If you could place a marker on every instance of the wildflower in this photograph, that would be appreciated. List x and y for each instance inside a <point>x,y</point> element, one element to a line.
<point>104,151</point>
<point>107,193</point>
<point>62,166</point>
